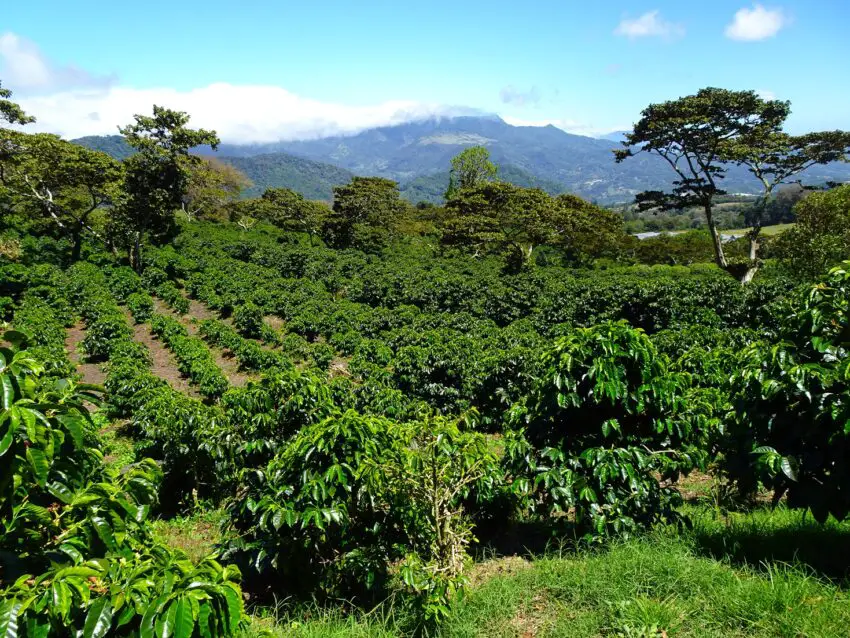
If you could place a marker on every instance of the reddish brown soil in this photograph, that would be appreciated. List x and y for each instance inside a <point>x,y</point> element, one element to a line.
<point>90,372</point>
<point>164,366</point>
<point>223,359</point>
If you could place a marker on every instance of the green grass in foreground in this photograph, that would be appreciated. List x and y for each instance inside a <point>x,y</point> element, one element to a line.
<point>663,585</point>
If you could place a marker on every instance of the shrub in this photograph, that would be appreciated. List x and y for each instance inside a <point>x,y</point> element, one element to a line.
<point>602,423</point>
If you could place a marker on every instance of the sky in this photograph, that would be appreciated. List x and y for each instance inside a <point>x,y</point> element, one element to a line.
<point>259,71</point>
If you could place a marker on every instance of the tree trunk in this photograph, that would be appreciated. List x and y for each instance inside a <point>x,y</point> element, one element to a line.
<point>750,273</point>
<point>77,248</point>
<point>753,266</point>
<point>136,258</point>
<point>719,256</point>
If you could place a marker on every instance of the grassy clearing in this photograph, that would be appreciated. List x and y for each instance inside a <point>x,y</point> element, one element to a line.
<point>782,575</point>
<point>766,230</point>
<point>196,535</point>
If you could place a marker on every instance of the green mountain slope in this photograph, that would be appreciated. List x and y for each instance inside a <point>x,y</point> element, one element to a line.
<point>314,180</point>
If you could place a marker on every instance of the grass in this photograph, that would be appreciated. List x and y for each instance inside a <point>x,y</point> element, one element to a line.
<point>195,534</point>
<point>764,573</point>
<point>766,230</point>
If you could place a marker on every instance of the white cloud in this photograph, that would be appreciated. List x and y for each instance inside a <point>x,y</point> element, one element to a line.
<point>72,102</point>
<point>650,24</point>
<point>512,95</point>
<point>239,113</point>
<point>765,94</point>
<point>24,67</point>
<point>757,23</point>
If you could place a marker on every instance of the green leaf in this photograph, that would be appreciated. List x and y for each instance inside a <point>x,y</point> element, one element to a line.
<point>9,618</point>
<point>60,598</point>
<point>7,389</point>
<point>74,427</point>
<point>104,531</point>
<point>184,623</point>
<point>165,623</point>
<point>789,467</point>
<point>6,440</point>
<point>204,618</point>
<point>99,619</point>
<point>39,464</point>
<point>60,491</point>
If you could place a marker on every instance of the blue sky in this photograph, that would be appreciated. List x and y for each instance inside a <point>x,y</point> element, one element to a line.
<point>266,70</point>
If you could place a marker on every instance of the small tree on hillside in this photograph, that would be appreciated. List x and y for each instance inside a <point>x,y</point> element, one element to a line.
<point>821,236</point>
<point>211,186</point>
<point>584,230</point>
<point>366,213</point>
<point>290,211</point>
<point>500,216</point>
<point>157,176</point>
<point>470,168</point>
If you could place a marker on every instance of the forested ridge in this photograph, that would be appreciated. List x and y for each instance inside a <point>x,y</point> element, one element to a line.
<point>248,412</point>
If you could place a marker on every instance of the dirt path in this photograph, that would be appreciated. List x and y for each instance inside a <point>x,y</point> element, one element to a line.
<point>90,372</point>
<point>164,365</point>
<point>223,359</point>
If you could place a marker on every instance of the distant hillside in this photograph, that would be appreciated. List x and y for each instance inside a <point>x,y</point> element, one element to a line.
<point>314,180</point>
<point>430,188</point>
<point>113,145</point>
<point>417,151</point>
<point>418,156</point>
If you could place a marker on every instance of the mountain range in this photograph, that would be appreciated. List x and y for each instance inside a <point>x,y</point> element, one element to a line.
<point>418,154</point>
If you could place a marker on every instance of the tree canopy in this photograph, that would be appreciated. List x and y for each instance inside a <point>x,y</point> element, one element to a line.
<point>470,168</point>
<point>700,136</point>
<point>157,176</point>
<point>366,213</point>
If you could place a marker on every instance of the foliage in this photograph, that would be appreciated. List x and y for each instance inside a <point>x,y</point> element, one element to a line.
<point>788,426</point>
<point>61,182</point>
<point>289,210</point>
<point>350,496</point>
<point>210,187</point>
<point>603,422</point>
<point>140,305</point>
<point>470,169</point>
<point>74,548</point>
<point>821,236</point>
<point>365,214</point>
<point>193,357</point>
<point>156,176</point>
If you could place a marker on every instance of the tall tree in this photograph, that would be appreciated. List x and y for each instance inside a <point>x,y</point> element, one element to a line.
<point>692,134</point>
<point>157,175</point>
<point>470,168</point>
<point>701,135</point>
<point>500,216</point>
<point>63,182</point>
<point>366,214</point>
<point>51,178</point>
